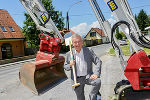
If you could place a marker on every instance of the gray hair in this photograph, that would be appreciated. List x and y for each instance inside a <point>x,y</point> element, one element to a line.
<point>76,35</point>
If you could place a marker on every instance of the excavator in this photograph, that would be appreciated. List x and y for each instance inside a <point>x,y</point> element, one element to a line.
<point>48,70</point>
<point>137,68</point>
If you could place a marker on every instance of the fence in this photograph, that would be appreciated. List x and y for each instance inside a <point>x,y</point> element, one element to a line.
<point>32,51</point>
<point>92,42</point>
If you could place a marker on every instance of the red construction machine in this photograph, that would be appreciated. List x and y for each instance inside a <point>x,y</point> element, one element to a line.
<point>137,67</point>
<point>48,69</point>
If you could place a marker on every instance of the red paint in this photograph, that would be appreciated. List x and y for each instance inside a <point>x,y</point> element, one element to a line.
<point>138,71</point>
<point>48,53</point>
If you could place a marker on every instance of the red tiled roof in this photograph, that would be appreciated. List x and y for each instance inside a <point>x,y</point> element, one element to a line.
<point>65,31</point>
<point>7,21</point>
<point>99,31</point>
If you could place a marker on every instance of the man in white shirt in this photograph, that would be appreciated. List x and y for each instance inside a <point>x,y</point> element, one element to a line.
<point>83,59</point>
<point>80,63</point>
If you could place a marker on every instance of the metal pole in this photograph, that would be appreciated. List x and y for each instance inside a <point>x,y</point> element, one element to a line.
<point>67,18</point>
<point>67,21</point>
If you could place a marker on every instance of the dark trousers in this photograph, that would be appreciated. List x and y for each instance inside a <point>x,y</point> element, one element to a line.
<point>80,89</point>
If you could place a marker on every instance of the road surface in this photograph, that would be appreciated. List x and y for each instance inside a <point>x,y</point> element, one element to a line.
<point>12,89</point>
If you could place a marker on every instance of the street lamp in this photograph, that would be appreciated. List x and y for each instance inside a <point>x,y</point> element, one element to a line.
<point>67,18</point>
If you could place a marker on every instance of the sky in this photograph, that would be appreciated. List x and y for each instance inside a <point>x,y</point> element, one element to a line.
<point>81,15</point>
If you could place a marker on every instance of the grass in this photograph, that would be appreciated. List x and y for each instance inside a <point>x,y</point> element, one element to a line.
<point>126,50</point>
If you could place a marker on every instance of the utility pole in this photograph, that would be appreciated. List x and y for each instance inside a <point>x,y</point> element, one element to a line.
<point>67,16</point>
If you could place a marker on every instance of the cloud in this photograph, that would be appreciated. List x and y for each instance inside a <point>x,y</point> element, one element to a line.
<point>111,21</point>
<point>84,28</point>
<point>95,25</point>
<point>81,29</point>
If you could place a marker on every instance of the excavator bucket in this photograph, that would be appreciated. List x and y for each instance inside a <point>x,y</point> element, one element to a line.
<point>40,76</point>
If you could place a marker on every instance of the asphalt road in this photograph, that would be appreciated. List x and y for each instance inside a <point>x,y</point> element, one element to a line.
<point>12,89</point>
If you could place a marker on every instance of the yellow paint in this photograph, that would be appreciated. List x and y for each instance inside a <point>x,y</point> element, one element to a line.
<point>11,39</point>
<point>93,37</point>
<point>112,5</point>
<point>44,18</point>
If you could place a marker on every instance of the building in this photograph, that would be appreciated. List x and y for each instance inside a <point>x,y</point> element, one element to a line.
<point>66,33</point>
<point>97,35</point>
<point>12,41</point>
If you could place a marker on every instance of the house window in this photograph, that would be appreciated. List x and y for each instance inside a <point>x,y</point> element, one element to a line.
<point>92,34</point>
<point>11,29</point>
<point>3,28</point>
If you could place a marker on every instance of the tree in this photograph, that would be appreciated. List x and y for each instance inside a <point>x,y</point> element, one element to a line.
<point>30,30</point>
<point>142,20</point>
<point>135,17</point>
<point>118,35</point>
<point>123,35</point>
<point>149,20</point>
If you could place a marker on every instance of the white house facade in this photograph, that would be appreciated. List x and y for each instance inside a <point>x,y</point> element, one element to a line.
<point>96,33</point>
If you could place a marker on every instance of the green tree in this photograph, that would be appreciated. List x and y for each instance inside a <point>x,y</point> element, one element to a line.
<point>135,17</point>
<point>30,29</point>
<point>142,20</point>
<point>118,35</point>
<point>123,35</point>
<point>148,20</point>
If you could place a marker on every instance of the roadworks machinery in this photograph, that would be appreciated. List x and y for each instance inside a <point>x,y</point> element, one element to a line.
<point>47,70</point>
<point>136,86</point>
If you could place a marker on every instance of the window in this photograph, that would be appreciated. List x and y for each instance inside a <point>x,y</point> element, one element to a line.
<point>3,28</point>
<point>92,34</point>
<point>11,29</point>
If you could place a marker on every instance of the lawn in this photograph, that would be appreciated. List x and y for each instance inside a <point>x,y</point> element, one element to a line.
<point>126,50</point>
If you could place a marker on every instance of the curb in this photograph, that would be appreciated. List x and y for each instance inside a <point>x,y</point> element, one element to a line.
<point>6,61</point>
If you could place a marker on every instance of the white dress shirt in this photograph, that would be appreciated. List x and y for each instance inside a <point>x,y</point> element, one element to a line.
<point>81,65</point>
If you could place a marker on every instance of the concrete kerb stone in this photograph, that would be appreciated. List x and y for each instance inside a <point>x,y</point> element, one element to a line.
<point>6,61</point>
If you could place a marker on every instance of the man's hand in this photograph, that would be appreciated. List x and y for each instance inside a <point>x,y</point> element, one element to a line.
<point>72,62</point>
<point>93,77</point>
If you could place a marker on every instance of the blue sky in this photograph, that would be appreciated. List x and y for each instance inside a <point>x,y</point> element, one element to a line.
<point>81,15</point>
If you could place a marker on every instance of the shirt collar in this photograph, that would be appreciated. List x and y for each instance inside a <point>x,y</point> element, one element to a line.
<point>81,52</point>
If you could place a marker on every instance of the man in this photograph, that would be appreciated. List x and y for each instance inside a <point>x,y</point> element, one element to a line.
<point>83,59</point>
